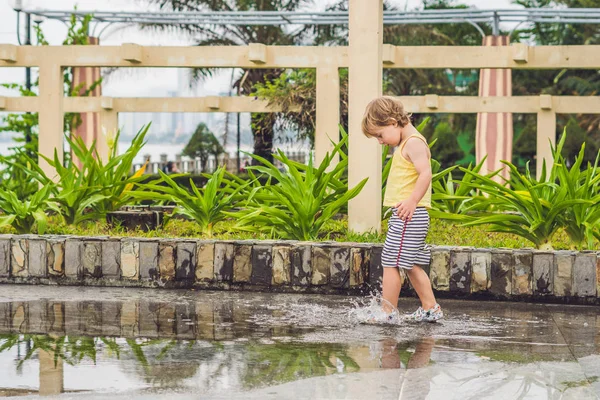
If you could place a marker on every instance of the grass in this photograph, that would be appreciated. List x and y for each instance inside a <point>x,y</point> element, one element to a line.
<point>441,233</point>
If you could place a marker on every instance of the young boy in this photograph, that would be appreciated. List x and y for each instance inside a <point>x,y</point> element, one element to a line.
<point>408,192</point>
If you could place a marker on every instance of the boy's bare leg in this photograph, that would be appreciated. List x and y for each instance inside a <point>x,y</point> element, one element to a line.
<point>420,281</point>
<point>391,288</point>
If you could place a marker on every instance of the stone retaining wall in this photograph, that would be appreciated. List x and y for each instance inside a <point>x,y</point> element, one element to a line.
<point>323,267</point>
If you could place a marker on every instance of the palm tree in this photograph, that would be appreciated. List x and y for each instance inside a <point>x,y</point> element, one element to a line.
<point>237,35</point>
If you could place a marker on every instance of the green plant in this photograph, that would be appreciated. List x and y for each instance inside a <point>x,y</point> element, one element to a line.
<point>89,191</point>
<point>75,192</point>
<point>534,209</point>
<point>23,214</point>
<point>114,178</point>
<point>582,220</point>
<point>451,197</point>
<point>207,206</point>
<point>302,198</point>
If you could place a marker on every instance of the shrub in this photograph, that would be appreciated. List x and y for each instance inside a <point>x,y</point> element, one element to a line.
<point>303,198</point>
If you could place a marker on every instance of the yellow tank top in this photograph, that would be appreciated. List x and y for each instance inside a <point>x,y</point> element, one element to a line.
<point>403,178</point>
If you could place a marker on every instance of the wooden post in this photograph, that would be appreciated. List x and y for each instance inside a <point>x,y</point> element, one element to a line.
<point>365,83</point>
<point>51,374</point>
<point>328,113</point>
<point>51,114</point>
<point>109,121</point>
<point>546,134</point>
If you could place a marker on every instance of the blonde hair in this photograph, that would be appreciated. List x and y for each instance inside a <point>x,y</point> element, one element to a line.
<point>381,112</point>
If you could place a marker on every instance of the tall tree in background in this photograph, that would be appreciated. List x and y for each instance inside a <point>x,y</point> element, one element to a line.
<point>203,144</point>
<point>262,124</point>
<point>580,128</point>
<point>298,86</point>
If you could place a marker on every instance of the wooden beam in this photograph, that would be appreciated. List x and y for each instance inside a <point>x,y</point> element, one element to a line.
<point>257,53</point>
<point>182,56</point>
<point>364,84</point>
<point>327,133</point>
<point>546,136</point>
<point>171,104</point>
<point>414,57</point>
<point>51,115</point>
<point>8,53</point>
<point>414,104</point>
<point>477,57</point>
<point>132,53</point>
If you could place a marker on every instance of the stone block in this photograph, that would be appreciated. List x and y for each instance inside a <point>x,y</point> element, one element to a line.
<point>262,265</point>
<point>111,259</point>
<point>481,264</point>
<point>167,253</point>
<point>543,273</point>
<point>90,314</point>
<point>73,319</point>
<point>584,274</point>
<point>5,245</point>
<point>111,318</point>
<point>321,264</point>
<point>205,259</point>
<point>375,268</point>
<point>74,258</point>
<point>19,317</point>
<point>598,276</point>
<point>282,265</point>
<point>522,273</point>
<point>19,259</point>
<point>56,316</point>
<point>185,321</point>
<point>460,270</point>
<point>166,320</point>
<point>563,273</point>
<point>55,257</point>
<point>92,259</point>
<point>501,272</point>
<point>360,257</point>
<point>5,318</point>
<point>440,268</point>
<point>38,317</point>
<point>301,264</point>
<point>204,320</point>
<point>340,266</point>
<point>130,319</point>
<point>186,261</point>
<point>37,258</point>
<point>149,318</point>
<point>149,260</point>
<point>136,220</point>
<point>130,259</point>
<point>242,262</point>
<point>223,265</point>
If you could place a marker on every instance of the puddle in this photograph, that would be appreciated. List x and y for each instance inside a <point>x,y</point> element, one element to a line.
<point>135,343</point>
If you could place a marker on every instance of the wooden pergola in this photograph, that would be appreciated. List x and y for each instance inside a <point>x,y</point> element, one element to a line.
<point>365,57</point>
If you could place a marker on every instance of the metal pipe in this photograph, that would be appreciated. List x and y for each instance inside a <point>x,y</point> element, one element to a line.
<point>493,17</point>
<point>28,71</point>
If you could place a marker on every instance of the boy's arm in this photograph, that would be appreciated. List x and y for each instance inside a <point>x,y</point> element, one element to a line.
<point>417,152</point>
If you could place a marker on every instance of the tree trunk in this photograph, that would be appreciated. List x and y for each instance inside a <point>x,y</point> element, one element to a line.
<point>262,130</point>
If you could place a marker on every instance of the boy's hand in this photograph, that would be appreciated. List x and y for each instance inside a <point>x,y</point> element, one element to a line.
<point>405,209</point>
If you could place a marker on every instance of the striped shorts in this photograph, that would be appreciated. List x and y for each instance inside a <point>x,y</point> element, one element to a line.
<point>405,243</point>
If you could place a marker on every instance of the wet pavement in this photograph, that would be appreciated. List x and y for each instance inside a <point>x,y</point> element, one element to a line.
<point>98,343</point>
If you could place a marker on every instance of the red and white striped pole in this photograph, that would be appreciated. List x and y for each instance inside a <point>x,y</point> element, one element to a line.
<point>494,136</point>
<point>89,128</point>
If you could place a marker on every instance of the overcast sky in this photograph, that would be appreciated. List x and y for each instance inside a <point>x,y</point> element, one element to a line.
<point>148,82</point>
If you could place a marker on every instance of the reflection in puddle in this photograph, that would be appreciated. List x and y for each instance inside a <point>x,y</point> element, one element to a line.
<point>244,346</point>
